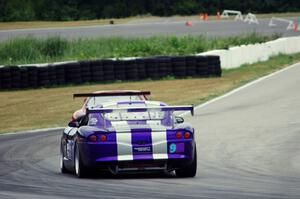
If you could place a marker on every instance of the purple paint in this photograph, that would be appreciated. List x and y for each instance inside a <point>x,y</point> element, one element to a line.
<point>138,110</point>
<point>177,156</point>
<point>180,148</point>
<point>141,144</point>
<point>101,122</point>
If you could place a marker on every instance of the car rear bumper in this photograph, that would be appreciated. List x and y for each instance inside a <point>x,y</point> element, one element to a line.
<point>105,155</point>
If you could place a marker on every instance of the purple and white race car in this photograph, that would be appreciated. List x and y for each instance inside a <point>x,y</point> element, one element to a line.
<point>123,132</point>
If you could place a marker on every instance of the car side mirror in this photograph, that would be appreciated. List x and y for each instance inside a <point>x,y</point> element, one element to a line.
<point>179,120</point>
<point>73,124</point>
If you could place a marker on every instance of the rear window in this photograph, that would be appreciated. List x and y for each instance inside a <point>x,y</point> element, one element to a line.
<point>97,101</point>
<point>127,116</point>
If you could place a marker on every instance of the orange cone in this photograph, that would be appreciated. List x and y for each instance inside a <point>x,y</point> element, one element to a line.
<point>206,17</point>
<point>295,29</point>
<point>189,23</point>
<point>218,16</point>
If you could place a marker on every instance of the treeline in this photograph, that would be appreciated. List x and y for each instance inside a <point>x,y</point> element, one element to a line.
<point>63,10</point>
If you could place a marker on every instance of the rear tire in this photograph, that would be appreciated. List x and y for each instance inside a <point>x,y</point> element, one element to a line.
<point>61,163</point>
<point>190,170</point>
<point>80,170</point>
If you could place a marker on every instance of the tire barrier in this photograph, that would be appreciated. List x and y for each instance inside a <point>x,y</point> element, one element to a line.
<point>131,70</point>
<point>108,70</point>
<point>35,76</point>
<point>141,69</point>
<point>52,75</point>
<point>214,65</point>
<point>120,72</point>
<point>24,77</point>
<point>60,74</point>
<point>43,78</point>
<point>32,76</point>
<point>96,68</point>
<point>151,68</point>
<point>5,75</point>
<point>15,77</point>
<point>85,71</point>
<point>179,66</point>
<point>191,65</point>
<point>72,73</point>
<point>164,66</point>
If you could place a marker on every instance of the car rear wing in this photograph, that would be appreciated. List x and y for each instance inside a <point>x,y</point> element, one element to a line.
<point>143,109</point>
<point>126,93</point>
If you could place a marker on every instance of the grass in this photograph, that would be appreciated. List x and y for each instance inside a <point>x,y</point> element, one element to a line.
<point>34,50</point>
<point>53,107</point>
<point>136,19</point>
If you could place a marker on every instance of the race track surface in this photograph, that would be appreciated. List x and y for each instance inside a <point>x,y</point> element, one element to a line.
<point>209,28</point>
<point>248,147</point>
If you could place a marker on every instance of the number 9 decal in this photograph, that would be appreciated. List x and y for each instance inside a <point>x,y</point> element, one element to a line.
<point>172,148</point>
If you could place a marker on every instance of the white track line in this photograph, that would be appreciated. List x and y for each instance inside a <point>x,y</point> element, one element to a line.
<point>185,113</point>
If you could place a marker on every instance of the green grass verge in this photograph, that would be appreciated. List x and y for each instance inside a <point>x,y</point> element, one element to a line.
<point>33,50</point>
<point>53,107</point>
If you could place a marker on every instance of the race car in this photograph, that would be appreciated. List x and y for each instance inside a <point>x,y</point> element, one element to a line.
<point>128,134</point>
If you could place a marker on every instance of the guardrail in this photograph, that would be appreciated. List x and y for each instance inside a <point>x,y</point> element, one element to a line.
<point>248,54</point>
<point>48,75</point>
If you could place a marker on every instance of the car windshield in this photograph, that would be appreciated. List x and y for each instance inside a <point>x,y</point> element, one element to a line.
<point>97,101</point>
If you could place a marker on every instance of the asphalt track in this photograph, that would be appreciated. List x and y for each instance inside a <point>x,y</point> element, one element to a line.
<point>248,147</point>
<point>210,28</point>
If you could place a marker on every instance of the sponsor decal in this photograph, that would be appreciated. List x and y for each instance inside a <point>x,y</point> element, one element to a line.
<point>142,149</point>
<point>172,148</point>
<point>93,121</point>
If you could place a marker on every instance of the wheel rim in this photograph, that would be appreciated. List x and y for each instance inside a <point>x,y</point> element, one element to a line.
<point>76,164</point>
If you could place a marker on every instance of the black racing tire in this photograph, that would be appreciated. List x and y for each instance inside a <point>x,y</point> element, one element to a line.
<point>81,171</point>
<point>24,77</point>
<point>63,169</point>
<point>190,170</point>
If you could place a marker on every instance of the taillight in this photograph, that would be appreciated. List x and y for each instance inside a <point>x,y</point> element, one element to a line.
<point>93,138</point>
<point>103,138</point>
<point>187,135</point>
<point>178,135</point>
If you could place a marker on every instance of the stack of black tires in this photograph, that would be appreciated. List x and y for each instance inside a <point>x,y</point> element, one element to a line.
<point>34,76</point>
